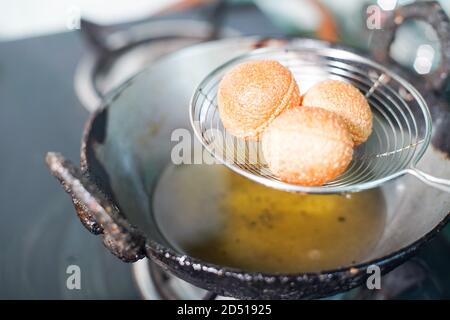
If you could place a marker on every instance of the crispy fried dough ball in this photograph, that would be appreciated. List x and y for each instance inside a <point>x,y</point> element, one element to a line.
<point>307,146</point>
<point>346,101</point>
<point>252,94</point>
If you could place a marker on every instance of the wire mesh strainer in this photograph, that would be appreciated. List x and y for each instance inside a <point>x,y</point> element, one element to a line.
<point>401,121</point>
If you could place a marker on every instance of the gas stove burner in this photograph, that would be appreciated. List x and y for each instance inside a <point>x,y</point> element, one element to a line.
<point>154,283</point>
<point>115,57</point>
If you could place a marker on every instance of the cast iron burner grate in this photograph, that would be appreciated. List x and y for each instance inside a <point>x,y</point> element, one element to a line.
<point>155,283</point>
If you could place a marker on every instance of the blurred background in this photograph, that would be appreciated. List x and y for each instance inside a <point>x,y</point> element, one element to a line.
<point>58,58</point>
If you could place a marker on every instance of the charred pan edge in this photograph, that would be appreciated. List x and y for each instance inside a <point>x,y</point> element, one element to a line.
<point>430,12</point>
<point>98,214</point>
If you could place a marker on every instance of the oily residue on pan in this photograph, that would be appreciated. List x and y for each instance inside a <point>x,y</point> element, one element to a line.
<point>213,214</point>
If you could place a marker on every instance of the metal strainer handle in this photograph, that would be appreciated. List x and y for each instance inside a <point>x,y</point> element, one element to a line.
<point>438,183</point>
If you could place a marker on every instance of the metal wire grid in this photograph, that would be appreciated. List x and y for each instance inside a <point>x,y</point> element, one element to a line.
<point>401,122</point>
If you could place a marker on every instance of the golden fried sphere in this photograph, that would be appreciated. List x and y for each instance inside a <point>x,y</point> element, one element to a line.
<point>345,100</point>
<point>307,146</point>
<point>252,94</point>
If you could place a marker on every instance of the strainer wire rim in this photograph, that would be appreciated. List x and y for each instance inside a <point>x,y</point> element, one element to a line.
<point>331,52</point>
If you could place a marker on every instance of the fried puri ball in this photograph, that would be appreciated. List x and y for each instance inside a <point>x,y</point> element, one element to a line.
<point>252,94</point>
<point>346,101</point>
<point>307,146</point>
